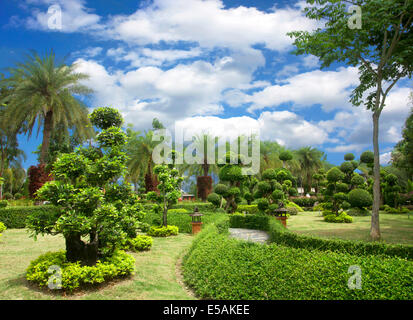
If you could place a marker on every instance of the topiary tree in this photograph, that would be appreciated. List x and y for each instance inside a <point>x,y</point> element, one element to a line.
<point>95,212</point>
<point>285,156</point>
<point>169,189</point>
<point>215,199</point>
<point>391,190</point>
<point>360,198</point>
<point>349,157</point>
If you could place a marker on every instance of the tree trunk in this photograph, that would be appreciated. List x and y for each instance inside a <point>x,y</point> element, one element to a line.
<point>77,250</point>
<point>47,131</point>
<point>204,187</point>
<point>165,213</point>
<point>375,224</point>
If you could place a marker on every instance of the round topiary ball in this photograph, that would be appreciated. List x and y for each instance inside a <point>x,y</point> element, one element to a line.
<point>334,175</point>
<point>262,204</point>
<point>347,167</point>
<point>285,155</point>
<point>357,180</point>
<point>214,198</point>
<point>360,198</point>
<point>349,156</point>
<point>367,157</point>
<point>269,174</point>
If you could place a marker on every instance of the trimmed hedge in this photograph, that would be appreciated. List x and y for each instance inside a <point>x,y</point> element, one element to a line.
<point>248,208</point>
<point>163,231</point>
<point>304,201</point>
<point>218,267</point>
<point>249,221</point>
<point>16,217</point>
<point>282,236</point>
<point>74,275</point>
<point>139,243</point>
<point>190,206</point>
<point>181,220</point>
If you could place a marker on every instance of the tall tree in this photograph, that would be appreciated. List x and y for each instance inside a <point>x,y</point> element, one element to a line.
<point>43,91</point>
<point>402,155</point>
<point>380,46</point>
<point>310,160</point>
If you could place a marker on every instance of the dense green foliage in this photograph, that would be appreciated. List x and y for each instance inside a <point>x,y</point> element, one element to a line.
<point>360,198</point>
<point>163,231</point>
<point>75,276</point>
<point>217,267</point>
<point>341,217</point>
<point>139,243</point>
<point>249,221</point>
<point>18,217</point>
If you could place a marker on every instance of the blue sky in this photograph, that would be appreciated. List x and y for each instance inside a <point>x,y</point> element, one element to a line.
<point>217,65</point>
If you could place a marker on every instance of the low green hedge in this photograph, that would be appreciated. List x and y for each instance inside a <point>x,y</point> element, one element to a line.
<point>3,204</point>
<point>249,221</point>
<point>16,217</point>
<point>305,201</point>
<point>190,206</point>
<point>340,218</point>
<point>248,208</point>
<point>163,231</point>
<point>73,275</point>
<point>139,243</point>
<point>282,236</point>
<point>181,220</point>
<point>217,267</point>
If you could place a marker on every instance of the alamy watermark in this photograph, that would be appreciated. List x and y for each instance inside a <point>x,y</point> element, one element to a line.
<point>354,21</point>
<point>208,148</point>
<point>54,20</point>
<point>354,282</point>
<point>55,280</point>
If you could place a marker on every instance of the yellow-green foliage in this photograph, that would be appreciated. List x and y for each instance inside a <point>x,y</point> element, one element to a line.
<point>163,231</point>
<point>178,210</point>
<point>73,275</point>
<point>2,228</point>
<point>140,243</point>
<point>290,204</point>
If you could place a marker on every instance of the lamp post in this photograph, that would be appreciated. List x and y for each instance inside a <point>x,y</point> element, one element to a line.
<point>281,214</point>
<point>196,221</point>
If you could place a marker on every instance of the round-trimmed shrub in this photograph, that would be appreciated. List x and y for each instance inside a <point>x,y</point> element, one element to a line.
<point>269,174</point>
<point>262,204</point>
<point>8,196</point>
<point>3,203</point>
<point>360,198</point>
<point>285,155</point>
<point>334,175</point>
<point>140,243</point>
<point>215,199</point>
<point>357,180</point>
<point>342,217</point>
<point>163,231</point>
<point>349,156</point>
<point>367,157</point>
<point>76,276</point>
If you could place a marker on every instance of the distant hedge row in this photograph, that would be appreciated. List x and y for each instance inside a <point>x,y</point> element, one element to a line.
<point>15,217</point>
<point>282,236</point>
<point>218,267</point>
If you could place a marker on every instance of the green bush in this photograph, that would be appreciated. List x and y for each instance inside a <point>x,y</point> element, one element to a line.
<point>140,243</point>
<point>340,218</point>
<point>391,210</point>
<point>215,199</point>
<point>249,221</point>
<point>217,267</point>
<point>250,209</point>
<point>74,275</point>
<point>304,201</point>
<point>357,212</point>
<point>190,206</point>
<point>289,205</point>
<point>16,217</point>
<point>282,236</point>
<point>18,196</point>
<point>8,196</point>
<point>2,228</point>
<point>262,204</point>
<point>163,231</point>
<point>3,204</point>
<point>179,210</point>
<point>360,198</point>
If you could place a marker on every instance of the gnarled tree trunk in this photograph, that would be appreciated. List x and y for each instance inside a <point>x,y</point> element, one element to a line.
<point>78,250</point>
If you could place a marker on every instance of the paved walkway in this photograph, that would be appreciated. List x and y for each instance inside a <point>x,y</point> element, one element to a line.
<point>249,235</point>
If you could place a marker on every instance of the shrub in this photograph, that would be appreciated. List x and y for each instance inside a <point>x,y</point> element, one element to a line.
<point>282,236</point>
<point>140,243</point>
<point>357,212</point>
<point>367,157</point>
<point>3,204</point>
<point>178,210</point>
<point>163,231</point>
<point>346,205</point>
<point>215,199</point>
<point>8,196</point>
<point>349,156</point>
<point>76,276</point>
<point>360,198</point>
<point>304,201</point>
<point>17,217</point>
<point>262,204</point>
<point>190,206</point>
<point>217,267</point>
<point>258,222</point>
<point>18,196</point>
<point>290,205</point>
<point>340,218</point>
<point>2,228</point>
<point>250,209</point>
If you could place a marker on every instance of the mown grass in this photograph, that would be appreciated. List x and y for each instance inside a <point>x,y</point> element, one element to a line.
<point>395,228</point>
<point>155,277</point>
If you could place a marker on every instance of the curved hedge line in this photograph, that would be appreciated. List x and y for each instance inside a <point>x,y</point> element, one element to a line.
<point>15,217</point>
<point>218,267</point>
<point>280,235</point>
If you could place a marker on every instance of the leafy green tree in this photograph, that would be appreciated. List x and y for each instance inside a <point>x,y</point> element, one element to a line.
<point>95,212</point>
<point>169,189</point>
<point>381,49</point>
<point>43,91</point>
<point>402,155</point>
<point>310,161</point>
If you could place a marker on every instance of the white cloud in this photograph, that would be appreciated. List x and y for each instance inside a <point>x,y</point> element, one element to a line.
<point>331,89</point>
<point>208,23</point>
<point>385,158</point>
<point>75,16</point>
<point>347,148</point>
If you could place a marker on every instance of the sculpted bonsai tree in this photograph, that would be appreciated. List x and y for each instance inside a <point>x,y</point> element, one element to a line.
<point>95,212</point>
<point>169,190</point>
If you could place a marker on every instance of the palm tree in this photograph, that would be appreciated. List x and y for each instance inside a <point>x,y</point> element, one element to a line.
<point>269,151</point>
<point>310,160</point>
<point>202,171</point>
<point>42,90</point>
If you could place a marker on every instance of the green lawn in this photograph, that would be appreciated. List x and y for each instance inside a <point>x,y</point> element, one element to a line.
<point>156,274</point>
<point>395,228</point>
